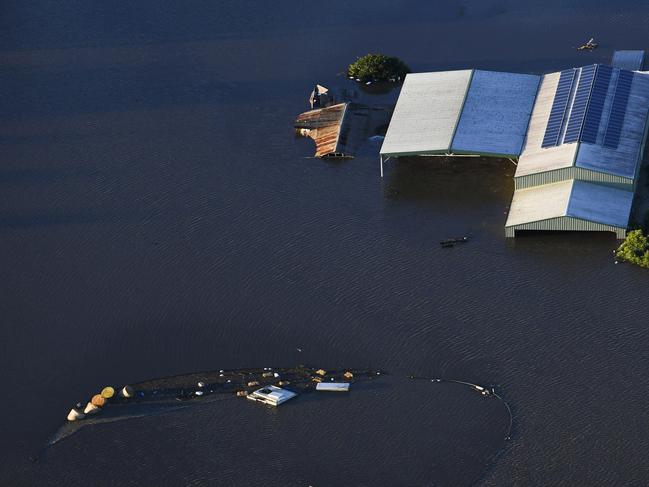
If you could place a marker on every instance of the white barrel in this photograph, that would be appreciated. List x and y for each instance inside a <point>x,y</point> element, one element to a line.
<point>90,408</point>
<point>73,415</point>
<point>126,391</point>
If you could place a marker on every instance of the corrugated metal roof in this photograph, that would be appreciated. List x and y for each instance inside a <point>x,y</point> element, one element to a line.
<point>620,161</point>
<point>324,127</point>
<point>496,113</point>
<point>631,60</point>
<point>624,159</point>
<point>426,113</point>
<point>535,158</point>
<point>539,203</point>
<point>600,204</point>
<point>577,199</point>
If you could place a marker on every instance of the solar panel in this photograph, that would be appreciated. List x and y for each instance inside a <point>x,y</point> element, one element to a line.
<point>557,113</point>
<point>618,109</point>
<point>582,95</point>
<point>596,104</point>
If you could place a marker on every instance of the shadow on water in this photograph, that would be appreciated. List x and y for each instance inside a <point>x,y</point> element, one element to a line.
<point>439,180</point>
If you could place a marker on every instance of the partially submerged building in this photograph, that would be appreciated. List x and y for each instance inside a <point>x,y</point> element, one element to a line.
<point>339,130</point>
<point>271,395</point>
<point>577,136</point>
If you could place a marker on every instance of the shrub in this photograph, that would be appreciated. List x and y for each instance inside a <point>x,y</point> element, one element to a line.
<point>634,249</point>
<point>377,67</point>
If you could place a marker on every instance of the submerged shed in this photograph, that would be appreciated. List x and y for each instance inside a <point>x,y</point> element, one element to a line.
<point>468,112</point>
<point>570,205</point>
<point>340,130</point>
<point>272,395</point>
<point>323,126</point>
<point>577,136</point>
<point>588,123</point>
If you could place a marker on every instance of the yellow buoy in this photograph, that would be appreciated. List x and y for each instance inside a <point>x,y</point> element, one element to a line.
<point>107,392</point>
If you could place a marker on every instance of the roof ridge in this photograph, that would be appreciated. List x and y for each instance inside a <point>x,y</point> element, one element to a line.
<point>459,114</point>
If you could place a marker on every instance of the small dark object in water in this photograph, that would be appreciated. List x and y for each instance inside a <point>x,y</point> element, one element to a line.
<point>450,242</point>
<point>589,46</point>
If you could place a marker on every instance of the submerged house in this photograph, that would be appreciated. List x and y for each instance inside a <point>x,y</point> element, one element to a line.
<point>577,136</point>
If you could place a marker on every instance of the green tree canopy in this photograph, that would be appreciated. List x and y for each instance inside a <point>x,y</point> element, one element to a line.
<point>634,249</point>
<point>377,67</point>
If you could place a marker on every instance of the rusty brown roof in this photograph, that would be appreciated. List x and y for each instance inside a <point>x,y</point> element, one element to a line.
<point>324,128</point>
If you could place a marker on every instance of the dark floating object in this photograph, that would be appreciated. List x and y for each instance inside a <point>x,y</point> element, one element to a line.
<point>450,242</point>
<point>589,46</point>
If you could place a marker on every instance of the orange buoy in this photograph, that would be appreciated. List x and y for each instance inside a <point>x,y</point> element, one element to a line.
<point>98,400</point>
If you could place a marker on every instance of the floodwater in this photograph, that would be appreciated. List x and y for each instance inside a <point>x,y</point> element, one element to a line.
<point>158,216</point>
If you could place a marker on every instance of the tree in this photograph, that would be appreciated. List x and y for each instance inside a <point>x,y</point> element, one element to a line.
<point>634,249</point>
<point>377,67</point>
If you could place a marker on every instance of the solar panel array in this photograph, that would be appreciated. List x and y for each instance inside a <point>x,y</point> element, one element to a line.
<point>596,104</point>
<point>558,111</point>
<point>588,106</point>
<point>580,103</point>
<point>618,109</point>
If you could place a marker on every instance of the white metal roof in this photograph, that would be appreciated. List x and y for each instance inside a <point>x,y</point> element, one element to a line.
<point>534,158</point>
<point>539,203</point>
<point>426,113</point>
<point>332,386</point>
<point>469,111</point>
<point>272,395</point>
<point>573,198</point>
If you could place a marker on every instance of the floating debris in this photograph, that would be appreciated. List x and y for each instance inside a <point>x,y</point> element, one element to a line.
<point>90,408</point>
<point>75,414</point>
<point>589,46</point>
<point>321,97</point>
<point>165,394</point>
<point>333,386</point>
<point>107,392</point>
<point>450,242</point>
<point>126,391</point>
<point>98,400</point>
<point>481,389</point>
<point>271,395</point>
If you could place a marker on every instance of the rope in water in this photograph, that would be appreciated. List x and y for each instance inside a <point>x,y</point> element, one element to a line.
<point>485,391</point>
